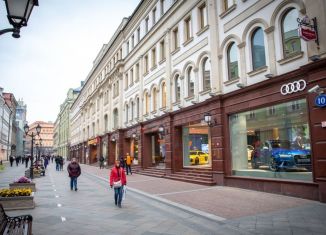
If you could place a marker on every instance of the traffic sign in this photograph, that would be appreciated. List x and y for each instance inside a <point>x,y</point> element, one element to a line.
<point>320,100</point>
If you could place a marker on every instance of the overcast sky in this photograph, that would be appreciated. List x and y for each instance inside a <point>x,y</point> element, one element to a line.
<point>56,50</point>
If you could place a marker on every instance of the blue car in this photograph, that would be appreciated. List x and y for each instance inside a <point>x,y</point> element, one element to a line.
<point>281,154</point>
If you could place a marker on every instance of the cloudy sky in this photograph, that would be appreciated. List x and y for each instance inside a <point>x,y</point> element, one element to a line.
<point>56,50</point>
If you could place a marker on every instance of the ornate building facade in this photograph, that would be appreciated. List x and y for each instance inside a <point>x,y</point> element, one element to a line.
<point>205,86</point>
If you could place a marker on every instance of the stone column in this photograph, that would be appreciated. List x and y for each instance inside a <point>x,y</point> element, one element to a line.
<point>216,79</point>
<point>141,89</point>
<point>242,63</point>
<point>168,70</point>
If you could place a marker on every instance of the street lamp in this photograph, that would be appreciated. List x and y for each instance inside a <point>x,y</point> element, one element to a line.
<point>208,119</point>
<point>33,135</point>
<point>18,12</point>
<point>134,135</point>
<point>161,131</point>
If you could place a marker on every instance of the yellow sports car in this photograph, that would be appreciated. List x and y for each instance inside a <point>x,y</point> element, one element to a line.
<point>198,158</point>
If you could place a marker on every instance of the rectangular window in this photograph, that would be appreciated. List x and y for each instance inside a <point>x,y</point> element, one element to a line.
<point>153,57</point>
<point>228,4</point>
<point>162,7</point>
<point>146,63</point>
<point>175,34</point>
<point>187,28</point>
<point>132,42</point>
<point>162,50</point>
<point>146,24</point>
<point>154,16</point>
<point>202,16</point>
<point>131,76</point>
<point>138,34</point>
<point>272,146</point>
<point>126,81</point>
<point>127,47</point>
<point>137,72</point>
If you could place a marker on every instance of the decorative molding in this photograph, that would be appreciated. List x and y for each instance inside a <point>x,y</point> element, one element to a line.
<point>270,29</point>
<point>291,57</point>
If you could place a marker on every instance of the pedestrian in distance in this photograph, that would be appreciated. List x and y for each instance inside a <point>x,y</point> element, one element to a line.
<point>17,160</point>
<point>61,163</point>
<point>57,164</point>
<point>46,162</point>
<point>26,161</point>
<point>117,181</point>
<point>128,161</point>
<point>101,162</point>
<point>11,160</point>
<point>74,171</point>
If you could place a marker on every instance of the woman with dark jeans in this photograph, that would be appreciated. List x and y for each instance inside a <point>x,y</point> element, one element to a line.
<point>117,181</point>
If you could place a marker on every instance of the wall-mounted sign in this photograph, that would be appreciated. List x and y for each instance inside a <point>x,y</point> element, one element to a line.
<point>293,87</point>
<point>320,100</point>
<point>308,31</point>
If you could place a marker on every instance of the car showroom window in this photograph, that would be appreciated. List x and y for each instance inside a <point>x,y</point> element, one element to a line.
<point>272,146</point>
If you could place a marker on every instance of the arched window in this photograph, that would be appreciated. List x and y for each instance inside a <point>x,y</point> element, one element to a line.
<point>146,99</point>
<point>115,118</point>
<point>137,107</point>
<point>233,68</point>
<point>127,112</point>
<point>290,37</point>
<point>258,49</point>
<point>163,89</point>
<point>206,74</point>
<point>177,88</point>
<point>154,97</point>
<point>191,82</point>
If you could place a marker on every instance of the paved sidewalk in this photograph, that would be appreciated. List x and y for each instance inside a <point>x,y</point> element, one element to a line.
<point>251,211</point>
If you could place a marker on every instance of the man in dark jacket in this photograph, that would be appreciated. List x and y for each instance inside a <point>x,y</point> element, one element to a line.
<point>74,171</point>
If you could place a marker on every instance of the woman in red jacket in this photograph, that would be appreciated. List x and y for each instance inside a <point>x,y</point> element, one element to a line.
<point>117,181</point>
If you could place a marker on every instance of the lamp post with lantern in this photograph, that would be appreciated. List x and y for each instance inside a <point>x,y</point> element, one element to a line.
<point>32,135</point>
<point>18,13</point>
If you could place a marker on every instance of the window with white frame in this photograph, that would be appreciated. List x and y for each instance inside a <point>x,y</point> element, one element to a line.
<point>187,29</point>
<point>162,7</point>
<point>202,16</point>
<point>154,15</point>
<point>146,24</point>
<point>232,59</point>
<point>227,4</point>
<point>162,50</point>
<point>126,81</point>
<point>175,35</point>
<point>146,100</point>
<point>146,67</point>
<point>138,34</point>
<point>206,74</point>
<point>132,41</point>
<point>258,49</point>
<point>191,82</point>
<point>290,37</point>
<point>163,91</point>
<point>154,99</point>
<point>131,76</point>
<point>153,57</point>
<point>177,88</point>
<point>137,72</point>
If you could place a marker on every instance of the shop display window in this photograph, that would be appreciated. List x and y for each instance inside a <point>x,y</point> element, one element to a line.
<point>196,146</point>
<point>272,142</point>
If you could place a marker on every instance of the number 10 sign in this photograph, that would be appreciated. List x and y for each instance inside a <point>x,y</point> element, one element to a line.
<point>320,100</point>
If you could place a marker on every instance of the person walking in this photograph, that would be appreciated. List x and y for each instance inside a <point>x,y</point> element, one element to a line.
<point>46,162</point>
<point>26,161</point>
<point>17,160</point>
<point>57,164</point>
<point>117,181</point>
<point>74,171</point>
<point>101,162</point>
<point>61,163</point>
<point>11,160</point>
<point>128,161</point>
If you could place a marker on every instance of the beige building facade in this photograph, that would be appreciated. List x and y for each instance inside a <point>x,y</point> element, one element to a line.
<point>206,85</point>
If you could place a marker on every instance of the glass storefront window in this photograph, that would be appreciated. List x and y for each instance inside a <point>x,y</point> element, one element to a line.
<point>272,142</point>
<point>196,146</point>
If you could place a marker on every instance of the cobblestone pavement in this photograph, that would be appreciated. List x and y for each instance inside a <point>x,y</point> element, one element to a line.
<point>161,206</point>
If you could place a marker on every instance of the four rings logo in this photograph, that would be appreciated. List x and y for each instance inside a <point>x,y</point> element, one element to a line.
<point>293,87</point>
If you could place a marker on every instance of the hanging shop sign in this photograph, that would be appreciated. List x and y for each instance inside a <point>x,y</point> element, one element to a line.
<point>308,30</point>
<point>93,141</point>
<point>293,87</point>
<point>320,101</point>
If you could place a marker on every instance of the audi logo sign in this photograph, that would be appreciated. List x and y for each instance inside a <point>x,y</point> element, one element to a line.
<point>293,87</point>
